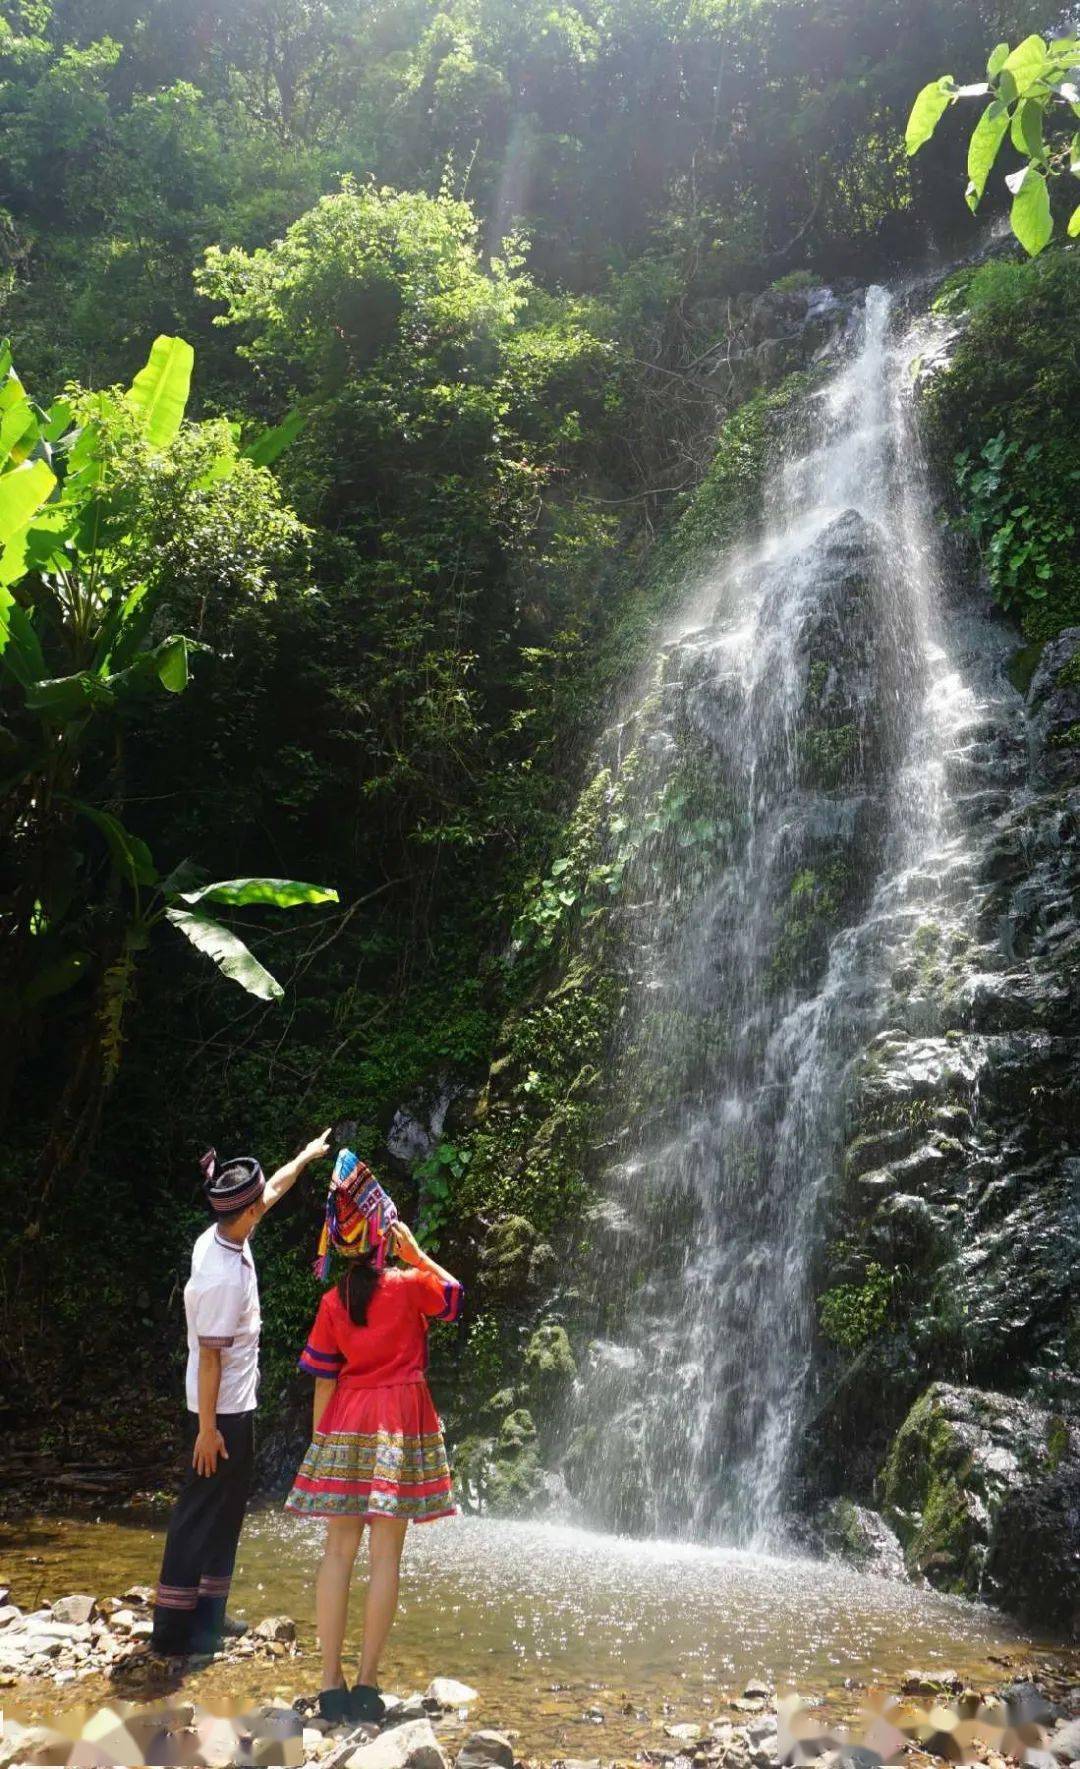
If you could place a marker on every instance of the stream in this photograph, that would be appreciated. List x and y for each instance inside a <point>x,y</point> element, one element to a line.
<point>583,1644</point>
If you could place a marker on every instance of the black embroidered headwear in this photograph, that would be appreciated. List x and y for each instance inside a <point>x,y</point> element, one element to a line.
<point>233,1184</point>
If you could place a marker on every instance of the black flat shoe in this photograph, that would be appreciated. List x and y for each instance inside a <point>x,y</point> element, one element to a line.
<point>335,1705</point>
<point>366,1704</point>
<point>231,1629</point>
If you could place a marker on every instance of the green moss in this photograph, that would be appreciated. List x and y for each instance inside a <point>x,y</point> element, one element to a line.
<point>795,281</point>
<point>549,1362</point>
<point>853,1314</point>
<point>828,754</point>
<point>815,903</point>
<point>924,1487</point>
<point>1057,1442</point>
<point>1067,739</point>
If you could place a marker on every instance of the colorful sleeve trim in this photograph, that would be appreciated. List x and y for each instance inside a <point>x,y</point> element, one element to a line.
<point>327,1364</point>
<point>453,1297</point>
<point>216,1343</point>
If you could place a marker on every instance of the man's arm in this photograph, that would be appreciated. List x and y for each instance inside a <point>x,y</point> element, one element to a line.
<point>209,1444</point>
<point>285,1177</point>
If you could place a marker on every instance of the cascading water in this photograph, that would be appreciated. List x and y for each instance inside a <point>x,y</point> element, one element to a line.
<point>786,770</point>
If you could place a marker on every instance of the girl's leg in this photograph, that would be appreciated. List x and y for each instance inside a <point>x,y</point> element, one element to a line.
<point>386,1538</point>
<point>332,1593</point>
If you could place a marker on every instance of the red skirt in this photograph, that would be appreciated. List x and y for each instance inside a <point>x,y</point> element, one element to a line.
<point>378,1452</point>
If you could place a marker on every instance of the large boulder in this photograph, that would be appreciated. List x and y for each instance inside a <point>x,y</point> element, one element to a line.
<point>984,1492</point>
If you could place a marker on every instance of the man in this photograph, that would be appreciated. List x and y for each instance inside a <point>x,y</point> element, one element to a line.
<point>221,1302</point>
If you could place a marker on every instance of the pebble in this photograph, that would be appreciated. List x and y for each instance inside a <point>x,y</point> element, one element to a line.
<point>276,1627</point>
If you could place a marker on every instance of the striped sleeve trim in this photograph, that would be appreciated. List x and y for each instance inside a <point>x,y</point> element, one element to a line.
<point>216,1343</point>
<point>321,1363</point>
<point>453,1298</point>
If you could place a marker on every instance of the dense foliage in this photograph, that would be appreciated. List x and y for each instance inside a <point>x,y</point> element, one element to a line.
<point>468,288</point>
<point>1003,421</point>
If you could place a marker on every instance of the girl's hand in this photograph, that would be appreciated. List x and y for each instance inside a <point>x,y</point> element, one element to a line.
<point>405,1245</point>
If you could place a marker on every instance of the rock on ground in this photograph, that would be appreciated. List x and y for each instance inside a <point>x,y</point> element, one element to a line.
<point>78,1608</point>
<point>411,1746</point>
<point>446,1692</point>
<point>486,1750</point>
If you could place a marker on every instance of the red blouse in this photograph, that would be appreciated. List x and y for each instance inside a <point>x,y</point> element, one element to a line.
<point>391,1346</point>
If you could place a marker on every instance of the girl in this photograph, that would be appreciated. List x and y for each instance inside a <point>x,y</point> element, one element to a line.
<point>377,1455</point>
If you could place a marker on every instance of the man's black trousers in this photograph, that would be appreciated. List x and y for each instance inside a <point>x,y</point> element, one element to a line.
<point>200,1547</point>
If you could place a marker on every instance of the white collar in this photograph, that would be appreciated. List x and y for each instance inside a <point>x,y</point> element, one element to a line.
<point>240,1247</point>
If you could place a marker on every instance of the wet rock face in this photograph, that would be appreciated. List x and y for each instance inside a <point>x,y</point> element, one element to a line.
<point>861,1537</point>
<point>959,1190</point>
<point>984,1490</point>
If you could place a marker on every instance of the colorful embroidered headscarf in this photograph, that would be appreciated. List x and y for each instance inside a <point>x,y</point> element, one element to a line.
<point>233,1184</point>
<point>359,1215</point>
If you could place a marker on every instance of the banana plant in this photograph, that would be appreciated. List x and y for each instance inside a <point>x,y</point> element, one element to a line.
<point>77,656</point>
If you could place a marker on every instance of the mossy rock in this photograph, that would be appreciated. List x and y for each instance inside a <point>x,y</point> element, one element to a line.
<point>516,1432</point>
<point>549,1365</point>
<point>981,1488</point>
<point>506,1259</point>
<point>514,1485</point>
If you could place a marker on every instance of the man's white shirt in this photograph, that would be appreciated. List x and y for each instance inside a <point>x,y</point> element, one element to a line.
<point>221,1301</point>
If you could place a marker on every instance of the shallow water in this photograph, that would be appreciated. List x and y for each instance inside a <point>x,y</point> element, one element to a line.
<point>548,1622</point>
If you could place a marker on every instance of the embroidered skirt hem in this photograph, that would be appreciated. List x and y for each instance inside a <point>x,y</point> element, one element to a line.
<point>379,1452</point>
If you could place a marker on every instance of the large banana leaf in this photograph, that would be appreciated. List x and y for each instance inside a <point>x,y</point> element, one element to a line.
<point>230,955</point>
<point>129,853</point>
<point>284,893</point>
<point>265,448</point>
<point>160,391</point>
<point>22,492</point>
<point>20,650</point>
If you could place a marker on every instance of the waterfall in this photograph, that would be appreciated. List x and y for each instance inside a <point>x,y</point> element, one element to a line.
<point>787,768</point>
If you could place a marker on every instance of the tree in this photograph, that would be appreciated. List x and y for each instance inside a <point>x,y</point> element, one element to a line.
<point>1033,90</point>
<point>81,587</point>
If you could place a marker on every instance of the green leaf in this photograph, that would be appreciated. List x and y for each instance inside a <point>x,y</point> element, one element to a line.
<point>20,648</point>
<point>1027,132</point>
<point>1026,62</point>
<point>998,57</point>
<point>68,697</point>
<point>22,492</point>
<point>283,893</point>
<point>55,978</point>
<point>129,853</point>
<point>927,111</point>
<point>19,430</point>
<point>159,392</point>
<point>986,138</point>
<point>1032,222</point>
<point>171,663</point>
<point>230,955</point>
<point>1074,223</point>
<point>264,450</point>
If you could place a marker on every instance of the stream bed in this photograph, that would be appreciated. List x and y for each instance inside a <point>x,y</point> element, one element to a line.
<point>584,1645</point>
